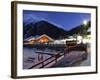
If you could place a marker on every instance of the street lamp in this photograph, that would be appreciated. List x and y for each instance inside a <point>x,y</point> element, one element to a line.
<point>85,22</point>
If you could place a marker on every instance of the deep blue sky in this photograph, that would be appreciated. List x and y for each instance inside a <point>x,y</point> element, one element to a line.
<point>65,20</point>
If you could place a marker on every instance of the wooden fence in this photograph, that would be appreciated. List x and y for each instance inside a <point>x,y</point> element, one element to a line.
<point>55,58</point>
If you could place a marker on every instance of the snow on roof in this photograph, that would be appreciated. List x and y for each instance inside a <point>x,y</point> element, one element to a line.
<point>89,30</point>
<point>37,37</point>
<point>46,36</point>
<point>27,39</point>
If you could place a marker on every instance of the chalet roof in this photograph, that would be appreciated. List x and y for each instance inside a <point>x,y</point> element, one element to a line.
<point>37,37</point>
<point>89,30</point>
<point>27,39</point>
<point>45,36</point>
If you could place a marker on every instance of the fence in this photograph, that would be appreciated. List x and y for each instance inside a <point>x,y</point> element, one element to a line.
<point>55,58</point>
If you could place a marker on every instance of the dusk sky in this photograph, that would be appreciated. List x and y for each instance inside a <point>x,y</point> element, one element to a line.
<point>65,20</point>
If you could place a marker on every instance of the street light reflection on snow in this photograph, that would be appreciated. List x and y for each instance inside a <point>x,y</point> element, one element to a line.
<point>79,39</point>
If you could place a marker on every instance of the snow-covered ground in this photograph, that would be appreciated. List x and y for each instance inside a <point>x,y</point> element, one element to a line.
<point>30,57</point>
<point>63,41</point>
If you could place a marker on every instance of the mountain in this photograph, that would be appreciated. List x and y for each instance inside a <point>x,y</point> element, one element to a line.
<point>43,27</point>
<point>28,19</point>
<point>81,29</point>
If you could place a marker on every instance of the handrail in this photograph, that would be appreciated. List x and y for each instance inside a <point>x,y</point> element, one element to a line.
<point>40,62</point>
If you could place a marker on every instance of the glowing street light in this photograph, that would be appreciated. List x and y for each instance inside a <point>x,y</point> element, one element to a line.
<point>85,22</point>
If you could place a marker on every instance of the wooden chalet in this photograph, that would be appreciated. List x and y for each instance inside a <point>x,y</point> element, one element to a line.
<point>38,39</point>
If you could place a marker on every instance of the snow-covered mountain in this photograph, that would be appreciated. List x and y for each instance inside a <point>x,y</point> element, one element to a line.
<point>43,27</point>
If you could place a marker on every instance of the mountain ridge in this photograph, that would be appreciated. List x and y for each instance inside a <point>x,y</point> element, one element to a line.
<point>55,32</point>
<point>44,27</point>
